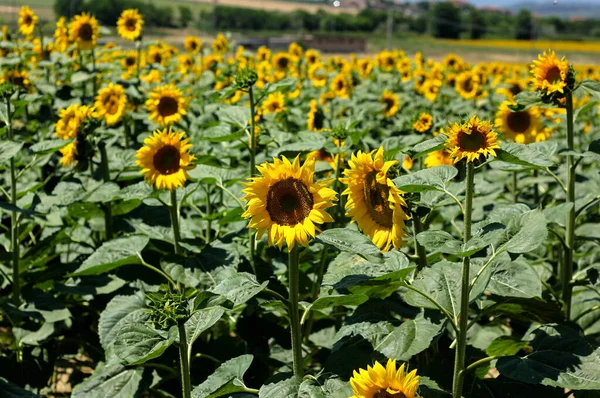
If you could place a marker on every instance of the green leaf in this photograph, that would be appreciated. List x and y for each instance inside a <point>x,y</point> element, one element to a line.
<point>84,210</point>
<point>561,358</point>
<point>201,321</point>
<point>80,77</point>
<point>8,149</point>
<point>137,343</point>
<point>528,156</point>
<point>183,270</point>
<point>222,133</point>
<point>584,109</point>
<point>506,345</point>
<point>583,300</point>
<point>442,283</point>
<point>531,232</point>
<point>111,380</point>
<point>232,370</point>
<point>33,337</point>
<point>285,388</point>
<point>237,116</point>
<point>515,279</point>
<point>10,390</point>
<point>105,193</point>
<point>113,254</point>
<point>409,339</point>
<point>433,144</point>
<point>46,147</point>
<point>526,310</point>
<point>332,301</point>
<point>591,86</point>
<point>433,179</point>
<point>239,287</point>
<point>528,99</point>
<point>120,311</point>
<point>350,241</point>
<point>443,242</point>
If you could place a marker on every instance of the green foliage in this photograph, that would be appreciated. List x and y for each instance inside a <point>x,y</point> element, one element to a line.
<point>446,21</point>
<point>524,25</point>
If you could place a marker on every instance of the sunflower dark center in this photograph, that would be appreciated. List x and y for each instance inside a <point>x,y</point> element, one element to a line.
<point>130,61</point>
<point>18,81</point>
<point>515,89</point>
<point>376,197</point>
<point>319,120</point>
<point>389,103</point>
<point>130,24</point>
<point>283,62</point>
<point>553,74</point>
<point>167,106</point>
<point>86,32</point>
<point>289,201</point>
<point>28,20</point>
<point>468,85</point>
<point>471,142</point>
<point>157,58</point>
<point>193,45</point>
<point>312,59</point>
<point>385,394</point>
<point>518,122</point>
<point>166,160</point>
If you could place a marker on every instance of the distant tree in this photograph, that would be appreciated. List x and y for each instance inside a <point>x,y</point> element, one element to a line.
<point>68,8</point>
<point>559,24</point>
<point>524,27</point>
<point>185,16</point>
<point>477,26</point>
<point>446,21</point>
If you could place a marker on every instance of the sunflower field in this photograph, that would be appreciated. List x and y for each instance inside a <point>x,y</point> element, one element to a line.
<point>208,221</point>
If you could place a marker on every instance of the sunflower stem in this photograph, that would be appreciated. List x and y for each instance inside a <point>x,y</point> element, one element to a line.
<point>208,211</point>
<point>14,221</point>
<point>174,212</point>
<point>252,171</point>
<point>294,314</point>
<point>107,207</point>
<point>138,46</point>
<point>421,254</point>
<point>184,359</point>
<point>459,359</point>
<point>316,291</point>
<point>94,80</point>
<point>567,270</point>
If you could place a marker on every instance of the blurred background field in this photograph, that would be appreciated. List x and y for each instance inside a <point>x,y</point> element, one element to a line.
<point>479,30</point>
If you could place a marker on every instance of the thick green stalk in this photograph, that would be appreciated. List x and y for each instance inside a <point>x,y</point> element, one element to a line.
<point>515,186</point>
<point>567,271</point>
<point>208,211</point>
<point>108,222</point>
<point>138,45</point>
<point>252,168</point>
<point>174,212</point>
<point>94,79</point>
<point>461,346</point>
<point>294,314</point>
<point>421,254</point>
<point>14,221</point>
<point>184,360</point>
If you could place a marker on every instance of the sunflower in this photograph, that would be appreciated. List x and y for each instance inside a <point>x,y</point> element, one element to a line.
<point>111,102</point>
<point>152,77</point>
<point>295,49</point>
<point>221,44</point>
<point>454,62</point>
<point>27,21</point>
<point>386,61</point>
<point>380,382</point>
<point>511,87</point>
<point>431,89</point>
<point>83,30</point>
<point>340,85</point>
<point>19,78</point>
<point>374,202</point>
<point>318,75</point>
<point>316,117</point>
<point>550,73</point>
<point>165,159</point>
<point>129,25</point>
<point>129,61</point>
<point>166,105</point>
<point>324,156</point>
<point>424,123</point>
<point>407,163</point>
<point>471,140</point>
<point>438,158</point>
<point>522,126</point>
<point>286,202</point>
<point>70,121</point>
<point>282,62</point>
<point>157,55</point>
<point>365,67</point>
<point>392,103</point>
<point>274,103</point>
<point>61,36</point>
<point>69,154</point>
<point>5,33</point>
<point>192,44</point>
<point>467,85</point>
<point>263,54</point>
<point>420,77</point>
<point>312,56</point>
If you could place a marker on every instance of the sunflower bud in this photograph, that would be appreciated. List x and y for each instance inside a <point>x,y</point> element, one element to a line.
<point>340,133</point>
<point>7,90</point>
<point>245,79</point>
<point>166,309</point>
